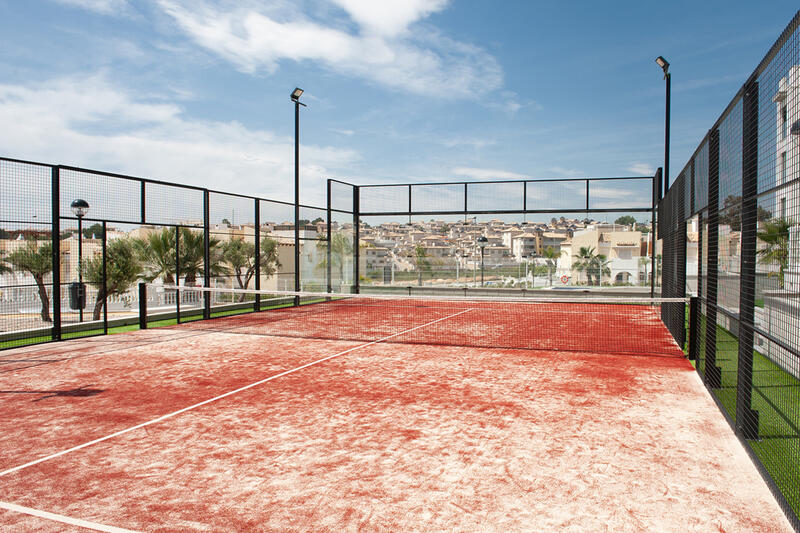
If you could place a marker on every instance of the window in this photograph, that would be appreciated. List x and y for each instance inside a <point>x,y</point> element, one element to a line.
<point>782,169</point>
<point>784,121</point>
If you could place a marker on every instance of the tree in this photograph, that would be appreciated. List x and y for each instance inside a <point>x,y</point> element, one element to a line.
<point>600,268</point>
<point>38,262</point>
<point>4,268</point>
<point>341,245</point>
<point>240,256</point>
<point>643,262</point>
<point>551,256</point>
<point>583,261</point>
<point>625,220</point>
<point>317,220</point>
<point>731,213</point>
<point>775,235</point>
<point>226,221</point>
<point>595,265</point>
<point>123,269</point>
<point>421,262</point>
<point>95,231</point>
<point>156,253</point>
<point>192,255</point>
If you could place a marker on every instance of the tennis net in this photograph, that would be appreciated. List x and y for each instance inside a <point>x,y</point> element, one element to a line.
<point>609,325</point>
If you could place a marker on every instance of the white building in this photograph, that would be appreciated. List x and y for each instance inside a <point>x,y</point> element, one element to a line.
<point>780,316</point>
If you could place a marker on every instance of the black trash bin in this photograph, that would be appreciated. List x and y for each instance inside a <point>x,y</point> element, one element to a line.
<point>77,295</point>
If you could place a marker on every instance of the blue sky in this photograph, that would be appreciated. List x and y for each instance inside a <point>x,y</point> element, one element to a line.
<point>416,90</point>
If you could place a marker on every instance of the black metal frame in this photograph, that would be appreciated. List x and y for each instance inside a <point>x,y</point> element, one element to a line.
<point>57,330</point>
<point>715,308</point>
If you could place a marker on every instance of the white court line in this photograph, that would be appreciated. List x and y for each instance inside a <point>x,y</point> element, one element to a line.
<point>221,396</point>
<point>63,519</point>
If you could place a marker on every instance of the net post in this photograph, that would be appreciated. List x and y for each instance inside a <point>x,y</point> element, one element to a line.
<point>56,246</point>
<point>712,373</point>
<point>746,417</point>
<point>257,252</point>
<point>694,327</point>
<point>142,306</point>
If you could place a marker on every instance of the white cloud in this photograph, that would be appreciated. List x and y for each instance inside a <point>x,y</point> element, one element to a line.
<point>642,169</point>
<point>90,122</point>
<point>487,173</point>
<point>565,172</point>
<point>105,7</point>
<point>473,143</point>
<point>390,52</point>
<point>389,18</point>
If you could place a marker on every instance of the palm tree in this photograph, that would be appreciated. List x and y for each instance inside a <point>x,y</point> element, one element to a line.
<point>341,246</point>
<point>584,259</point>
<point>775,234</point>
<point>192,255</point>
<point>551,256</point>
<point>123,269</point>
<point>157,254</point>
<point>421,261</point>
<point>38,262</point>
<point>600,267</point>
<point>643,262</point>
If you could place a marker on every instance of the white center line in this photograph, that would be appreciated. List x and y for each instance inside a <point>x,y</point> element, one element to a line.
<point>221,396</point>
<point>63,519</point>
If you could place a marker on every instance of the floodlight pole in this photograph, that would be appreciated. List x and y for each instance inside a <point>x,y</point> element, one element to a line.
<point>664,64</point>
<point>295,96</point>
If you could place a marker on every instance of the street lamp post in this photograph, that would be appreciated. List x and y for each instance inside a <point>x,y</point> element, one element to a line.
<point>80,208</point>
<point>295,96</point>
<point>482,241</point>
<point>664,64</point>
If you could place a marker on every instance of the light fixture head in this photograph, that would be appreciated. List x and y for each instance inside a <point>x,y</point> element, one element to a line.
<point>482,241</point>
<point>296,94</point>
<point>663,63</point>
<point>80,207</point>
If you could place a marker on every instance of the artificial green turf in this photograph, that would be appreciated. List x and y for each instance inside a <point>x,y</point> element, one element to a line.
<point>776,397</point>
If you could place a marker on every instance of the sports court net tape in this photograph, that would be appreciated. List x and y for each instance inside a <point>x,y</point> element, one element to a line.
<point>596,324</point>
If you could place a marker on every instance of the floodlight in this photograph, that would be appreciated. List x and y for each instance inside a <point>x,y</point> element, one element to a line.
<point>80,207</point>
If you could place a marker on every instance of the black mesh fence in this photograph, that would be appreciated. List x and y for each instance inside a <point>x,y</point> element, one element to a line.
<point>578,234</point>
<point>730,233</point>
<point>76,243</point>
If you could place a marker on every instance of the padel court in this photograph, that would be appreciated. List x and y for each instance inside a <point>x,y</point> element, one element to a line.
<point>375,415</point>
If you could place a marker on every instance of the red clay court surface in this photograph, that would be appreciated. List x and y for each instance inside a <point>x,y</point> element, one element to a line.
<point>208,427</point>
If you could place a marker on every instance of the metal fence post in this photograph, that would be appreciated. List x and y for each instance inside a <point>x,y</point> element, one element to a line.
<point>712,373</point>
<point>142,306</point>
<point>356,238</point>
<point>694,328</point>
<point>746,417</point>
<point>177,274</point>
<point>328,251</point>
<point>56,246</point>
<point>105,280</point>
<point>656,181</point>
<point>257,252</point>
<point>206,255</point>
